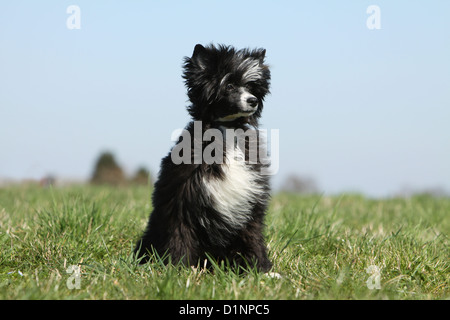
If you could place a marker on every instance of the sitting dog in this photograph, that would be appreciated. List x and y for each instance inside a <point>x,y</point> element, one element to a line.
<point>216,210</point>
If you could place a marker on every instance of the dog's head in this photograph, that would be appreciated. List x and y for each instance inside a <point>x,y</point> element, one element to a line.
<point>225,84</point>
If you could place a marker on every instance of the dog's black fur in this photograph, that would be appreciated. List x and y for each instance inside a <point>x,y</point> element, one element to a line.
<point>226,88</point>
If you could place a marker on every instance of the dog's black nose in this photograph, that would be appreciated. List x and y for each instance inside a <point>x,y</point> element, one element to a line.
<point>252,101</point>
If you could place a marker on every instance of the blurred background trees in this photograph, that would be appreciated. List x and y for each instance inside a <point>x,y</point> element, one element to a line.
<point>108,172</point>
<point>299,184</point>
<point>142,177</point>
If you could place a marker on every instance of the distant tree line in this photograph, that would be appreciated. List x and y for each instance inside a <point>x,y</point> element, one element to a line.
<point>108,172</point>
<point>299,184</point>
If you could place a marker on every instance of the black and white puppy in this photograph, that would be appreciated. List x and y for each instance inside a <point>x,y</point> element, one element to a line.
<point>216,209</point>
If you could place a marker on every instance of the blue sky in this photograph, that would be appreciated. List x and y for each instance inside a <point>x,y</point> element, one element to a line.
<point>357,109</point>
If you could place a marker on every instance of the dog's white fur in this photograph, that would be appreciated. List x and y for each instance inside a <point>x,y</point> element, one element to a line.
<point>234,195</point>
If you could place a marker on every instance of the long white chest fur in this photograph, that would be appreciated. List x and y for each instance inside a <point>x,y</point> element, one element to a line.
<point>235,194</point>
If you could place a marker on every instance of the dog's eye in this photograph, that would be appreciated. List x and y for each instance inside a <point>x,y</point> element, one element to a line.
<point>230,87</point>
<point>248,86</point>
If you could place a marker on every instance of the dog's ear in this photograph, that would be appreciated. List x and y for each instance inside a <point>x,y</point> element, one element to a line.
<point>200,55</point>
<point>261,55</point>
<point>199,50</point>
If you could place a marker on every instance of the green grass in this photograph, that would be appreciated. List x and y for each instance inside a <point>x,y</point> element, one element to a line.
<point>322,247</point>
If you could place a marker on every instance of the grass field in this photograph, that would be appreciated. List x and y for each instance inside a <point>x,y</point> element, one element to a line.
<point>341,247</point>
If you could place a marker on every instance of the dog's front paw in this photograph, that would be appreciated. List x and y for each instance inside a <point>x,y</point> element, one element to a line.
<point>274,275</point>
